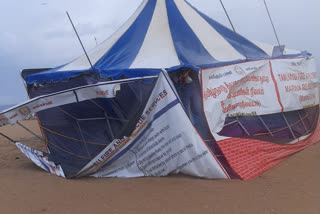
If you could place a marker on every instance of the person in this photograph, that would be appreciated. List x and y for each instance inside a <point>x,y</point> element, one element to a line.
<point>186,85</point>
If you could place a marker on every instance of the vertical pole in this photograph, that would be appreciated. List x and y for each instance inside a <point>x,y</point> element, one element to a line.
<point>225,11</point>
<point>274,29</point>
<point>75,30</point>
<point>233,28</point>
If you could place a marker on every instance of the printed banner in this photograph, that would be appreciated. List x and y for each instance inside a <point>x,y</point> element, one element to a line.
<point>101,91</point>
<point>163,142</point>
<point>258,88</point>
<point>41,160</point>
<point>297,82</point>
<point>244,89</point>
<point>250,158</point>
<point>37,104</point>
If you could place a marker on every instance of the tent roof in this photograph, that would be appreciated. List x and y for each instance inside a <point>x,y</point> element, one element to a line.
<point>162,34</point>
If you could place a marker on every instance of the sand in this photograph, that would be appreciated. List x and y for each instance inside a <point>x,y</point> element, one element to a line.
<point>291,187</point>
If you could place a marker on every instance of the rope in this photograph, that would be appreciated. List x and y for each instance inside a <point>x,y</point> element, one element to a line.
<point>71,138</point>
<point>66,151</point>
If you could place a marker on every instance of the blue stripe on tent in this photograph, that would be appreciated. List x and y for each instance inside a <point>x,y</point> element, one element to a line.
<point>129,73</point>
<point>125,50</point>
<point>189,48</point>
<point>54,75</point>
<point>156,116</point>
<point>241,44</point>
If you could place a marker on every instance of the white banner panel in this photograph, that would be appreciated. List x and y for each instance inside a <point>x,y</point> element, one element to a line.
<point>163,142</point>
<point>297,82</point>
<point>258,88</point>
<point>41,160</point>
<point>238,90</point>
<point>101,91</point>
<point>3,120</point>
<point>38,104</point>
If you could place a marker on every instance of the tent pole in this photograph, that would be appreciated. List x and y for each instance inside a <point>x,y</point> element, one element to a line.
<point>265,125</point>
<point>274,29</point>
<point>8,138</point>
<point>289,126</point>
<point>233,28</point>
<point>304,125</point>
<point>242,126</point>
<point>31,132</point>
<point>75,30</point>
<point>225,10</point>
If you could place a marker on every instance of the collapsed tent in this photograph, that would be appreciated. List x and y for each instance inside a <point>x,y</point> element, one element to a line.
<point>172,91</point>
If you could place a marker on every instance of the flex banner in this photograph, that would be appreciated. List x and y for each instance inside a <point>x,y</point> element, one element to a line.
<point>163,142</point>
<point>296,82</point>
<point>41,159</point>
<point>258,88</point>
<point>24,110</point>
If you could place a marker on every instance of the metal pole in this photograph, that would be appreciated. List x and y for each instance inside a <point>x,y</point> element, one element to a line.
<point>233,28</point>
<point>274,29</point>
<point>31,132</point>
<point>265,125</point>
<point>289,126</point>
<point>75,30</point>
<point>8,138</point>
<point>243,126</point>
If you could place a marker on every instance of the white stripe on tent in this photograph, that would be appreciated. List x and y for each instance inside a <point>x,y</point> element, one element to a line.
<point>158,40</point>
<point>214,43</point>
<point>95,54</point>
<point>269,48</point>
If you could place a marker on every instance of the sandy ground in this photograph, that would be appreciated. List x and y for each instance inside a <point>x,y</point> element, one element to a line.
<point>291,187</point>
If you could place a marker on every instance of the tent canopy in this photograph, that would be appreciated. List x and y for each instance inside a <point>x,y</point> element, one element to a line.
<point>226,121</point>
<point>162,34</point>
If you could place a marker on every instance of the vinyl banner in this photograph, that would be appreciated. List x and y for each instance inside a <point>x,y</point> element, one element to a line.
<point>35,105</point>
<point>101,90</point>
<point>238,90</point>
<point>297,82</point>
<point>258,88</point>
<point>41,160</point>
<point>163,142</point>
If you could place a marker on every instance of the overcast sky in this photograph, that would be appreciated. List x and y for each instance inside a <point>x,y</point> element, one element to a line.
<point>37,34</point>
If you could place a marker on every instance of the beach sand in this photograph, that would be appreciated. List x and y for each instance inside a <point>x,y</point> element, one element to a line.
<point>291,187</point>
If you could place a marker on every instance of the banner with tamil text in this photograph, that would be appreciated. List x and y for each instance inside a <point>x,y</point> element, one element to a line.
<point>258,88</point>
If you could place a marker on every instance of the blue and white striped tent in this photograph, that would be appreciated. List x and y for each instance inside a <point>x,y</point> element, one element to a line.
<point>163,34</point>
<point>127,117</point>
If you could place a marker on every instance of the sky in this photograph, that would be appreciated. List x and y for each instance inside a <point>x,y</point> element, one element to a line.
<point>37,34</point>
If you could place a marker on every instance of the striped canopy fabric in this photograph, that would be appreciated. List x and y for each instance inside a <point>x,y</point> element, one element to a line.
<point>163,34</point>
